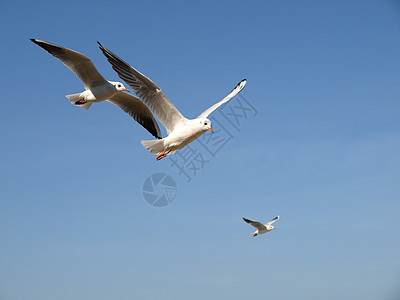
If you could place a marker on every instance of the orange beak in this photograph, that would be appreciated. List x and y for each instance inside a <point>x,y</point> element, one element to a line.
<point>126,90</point>
<point>211,130</point>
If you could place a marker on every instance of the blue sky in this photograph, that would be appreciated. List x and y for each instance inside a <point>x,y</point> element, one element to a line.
<point>323,152</point>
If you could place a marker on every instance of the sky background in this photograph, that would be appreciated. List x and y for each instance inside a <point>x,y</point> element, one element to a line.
<point>323,152</point>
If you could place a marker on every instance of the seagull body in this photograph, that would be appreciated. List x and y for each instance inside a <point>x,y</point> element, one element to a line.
<point>182,135</point>
<point>181,131</point>
<point>98,89</point>
<point>261,228</point>
<point>96,93</point>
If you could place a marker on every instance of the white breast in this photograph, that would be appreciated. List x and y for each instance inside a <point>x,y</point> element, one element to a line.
<point>184,135</point>
<point>101,92</point>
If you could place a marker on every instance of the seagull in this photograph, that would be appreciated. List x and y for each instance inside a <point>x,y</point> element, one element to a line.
<point>98,89</point>
<point>181,131</point>
<point>261,228</point>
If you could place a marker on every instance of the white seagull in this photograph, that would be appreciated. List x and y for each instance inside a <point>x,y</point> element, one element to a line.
<point>261,228</point>
<point>181,131</point>
<point>98,89</point>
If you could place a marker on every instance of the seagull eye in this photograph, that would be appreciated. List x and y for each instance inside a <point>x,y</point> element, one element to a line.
<point>205,123</point>
<point>119,85</point>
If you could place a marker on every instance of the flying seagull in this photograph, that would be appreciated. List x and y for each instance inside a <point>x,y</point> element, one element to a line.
<point>98,89</point>
<point>261,228</point>
<point>181,131</point>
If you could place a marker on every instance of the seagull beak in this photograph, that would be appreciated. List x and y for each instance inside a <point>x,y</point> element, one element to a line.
<point>211,130</point>
<point>126,90</point>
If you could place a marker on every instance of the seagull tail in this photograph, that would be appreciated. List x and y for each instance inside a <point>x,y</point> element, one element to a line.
<point>155,146</point>
<point>75,98</point>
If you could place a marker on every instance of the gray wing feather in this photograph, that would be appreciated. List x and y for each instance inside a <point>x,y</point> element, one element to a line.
<point>146,90</point>
<point>272,221</point>
<point>134,107</point>
<point>80,64</point>
<point>232,94</point>
<point>255,224</point>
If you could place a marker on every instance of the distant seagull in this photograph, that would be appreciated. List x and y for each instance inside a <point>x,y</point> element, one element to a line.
<point>181,131</point>
<point>99,89</point>
<point>261,228</point>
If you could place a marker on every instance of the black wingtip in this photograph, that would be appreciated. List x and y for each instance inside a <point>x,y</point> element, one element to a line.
<point>241,84</point>
<point>101,46</point>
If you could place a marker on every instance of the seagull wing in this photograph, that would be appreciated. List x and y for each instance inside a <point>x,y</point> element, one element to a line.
<point>232,94</point>
<point>255,224</point>
<point>146,90</point>
<point>80,64</point>
<point>272,221</point>
<point>134,107</point>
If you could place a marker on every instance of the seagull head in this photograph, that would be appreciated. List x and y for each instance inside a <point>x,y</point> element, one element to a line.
<point>271,227</point>
<point>206,124</point>
<point>119,86</point>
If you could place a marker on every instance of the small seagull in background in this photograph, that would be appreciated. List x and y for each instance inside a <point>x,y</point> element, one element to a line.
<point>261,228</point>
<point>181,131</point>
<point>98,89</point>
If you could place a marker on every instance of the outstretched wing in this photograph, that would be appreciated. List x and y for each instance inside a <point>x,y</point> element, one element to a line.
<point>255,224</point>
<point>80,64</point>
<point>272,221</point>
<point>232,94</point>
<point>134,107</point>
<point>146,90</point>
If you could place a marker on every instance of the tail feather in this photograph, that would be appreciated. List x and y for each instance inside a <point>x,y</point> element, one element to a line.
<point>74,98</point>
<point>155,146</point>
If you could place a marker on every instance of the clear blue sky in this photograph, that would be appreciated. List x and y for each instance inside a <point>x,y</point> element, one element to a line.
<point>323,152</point>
